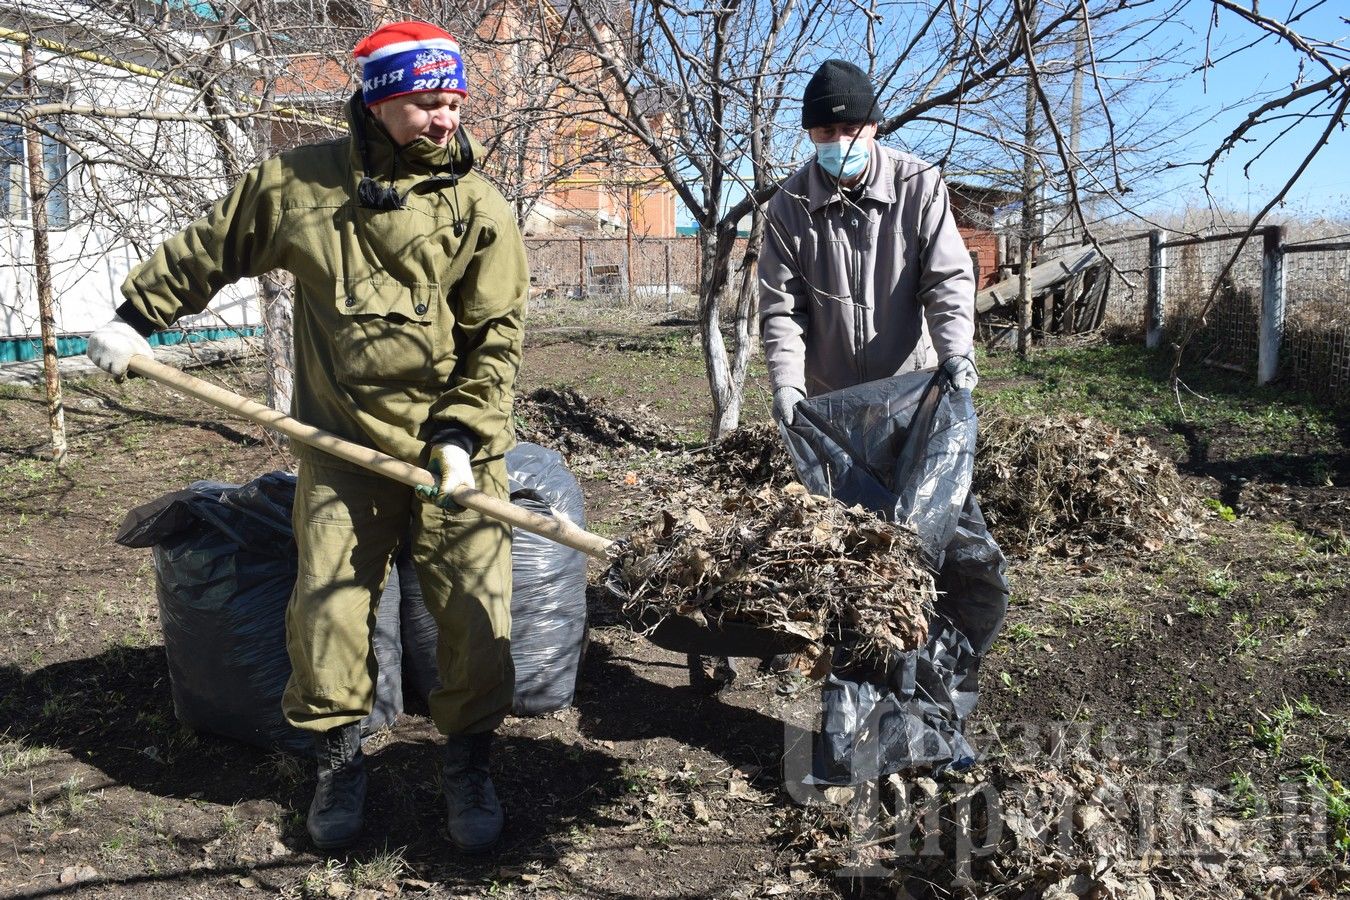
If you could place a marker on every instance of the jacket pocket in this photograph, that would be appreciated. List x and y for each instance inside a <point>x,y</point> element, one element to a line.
<point>386,331</point>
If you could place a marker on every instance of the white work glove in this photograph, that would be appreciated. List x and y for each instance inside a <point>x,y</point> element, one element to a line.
<point>785,400</point>
<point>450,464</point>
<point>113,345</point>
<point>961,369</point>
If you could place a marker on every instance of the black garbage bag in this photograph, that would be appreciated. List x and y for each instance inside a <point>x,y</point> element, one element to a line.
<point>548,595</point>
<point>225,564</point>
<point>904,447</point>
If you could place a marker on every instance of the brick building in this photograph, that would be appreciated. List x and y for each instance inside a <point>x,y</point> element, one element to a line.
<point>975,210</point>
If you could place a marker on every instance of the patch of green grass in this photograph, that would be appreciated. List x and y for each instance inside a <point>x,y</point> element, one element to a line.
<point>40,818</point>
<point>152,817</point>
<point>117,846</point>
<point>1020,633</point>
<point>1244,796</point>
<point>30,470</point>
<point>230,823</point>
<point>1272,729</point>
<point>1305,707</point>
<point>1127,386</point>
<point>635,778</point>
<point>1246,633</point>
<point>660,831</point>
<point>1335,798</point>
<point>1224,511</point>
<point>1220,583</point>
<point>1202,606</point>
<point>1116,614</point>
<point>318,880</point>
<point>75,800</point>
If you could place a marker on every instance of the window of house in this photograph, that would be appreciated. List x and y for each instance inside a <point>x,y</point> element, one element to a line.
<point>14,173</point>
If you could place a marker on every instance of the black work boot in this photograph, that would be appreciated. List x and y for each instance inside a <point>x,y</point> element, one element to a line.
<point>475,816</point>
<point>336,815</point>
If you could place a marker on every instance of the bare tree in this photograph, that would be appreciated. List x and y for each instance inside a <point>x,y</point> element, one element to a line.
<point>698,90</point>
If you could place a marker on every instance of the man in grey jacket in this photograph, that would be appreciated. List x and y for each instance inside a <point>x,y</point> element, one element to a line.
<point>863,273</point>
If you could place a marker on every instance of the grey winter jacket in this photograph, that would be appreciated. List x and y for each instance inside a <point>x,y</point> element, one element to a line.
<point>867,285</point>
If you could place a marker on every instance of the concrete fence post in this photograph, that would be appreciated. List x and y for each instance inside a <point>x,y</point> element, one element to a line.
<point>1272,305</point>
<point>1156,303</point>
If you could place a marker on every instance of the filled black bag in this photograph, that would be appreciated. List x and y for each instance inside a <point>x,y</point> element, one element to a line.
<point>548,594</point>
<point>904,447</point>
<point>225,564</point>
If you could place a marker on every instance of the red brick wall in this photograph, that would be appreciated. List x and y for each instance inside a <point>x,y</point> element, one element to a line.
<point>985,244</point>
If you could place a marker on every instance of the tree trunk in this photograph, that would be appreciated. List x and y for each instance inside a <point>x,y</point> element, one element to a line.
<point>37,203</point>
<point>747,323</point>
<point>274,291</point>
<point>715,246</point>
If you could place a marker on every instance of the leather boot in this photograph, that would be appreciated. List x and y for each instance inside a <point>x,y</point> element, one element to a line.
<point>337,813</point>
<point>475,815</point>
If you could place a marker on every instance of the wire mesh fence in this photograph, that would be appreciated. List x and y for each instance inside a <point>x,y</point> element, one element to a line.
<point>1314,342</point>
<point>1229,333</point>
<point>1126,296</point>
<point>651,273</point>
<point>1315,354</point>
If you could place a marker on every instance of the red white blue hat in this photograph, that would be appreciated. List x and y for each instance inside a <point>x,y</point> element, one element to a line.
<point>406,57</point>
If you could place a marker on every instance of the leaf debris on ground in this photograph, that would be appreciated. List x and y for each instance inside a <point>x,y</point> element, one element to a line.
<point>1072,485</point>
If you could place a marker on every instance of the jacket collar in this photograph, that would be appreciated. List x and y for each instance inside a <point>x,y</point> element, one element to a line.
<point>879,183</point>
<point>388,161</point>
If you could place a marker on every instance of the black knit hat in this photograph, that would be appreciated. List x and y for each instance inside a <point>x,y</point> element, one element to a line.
<point>839,92</point>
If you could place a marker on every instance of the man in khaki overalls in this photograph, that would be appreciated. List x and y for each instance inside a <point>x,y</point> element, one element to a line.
<point>410,287</point>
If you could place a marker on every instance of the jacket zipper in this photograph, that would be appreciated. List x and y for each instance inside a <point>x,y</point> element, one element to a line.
<point>859,297</point>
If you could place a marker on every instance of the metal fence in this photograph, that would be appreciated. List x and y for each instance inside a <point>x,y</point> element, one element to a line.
<point>619,267</point>
<point>1316,349</point>
<point>1280,310</point>
<point>1125,296</point>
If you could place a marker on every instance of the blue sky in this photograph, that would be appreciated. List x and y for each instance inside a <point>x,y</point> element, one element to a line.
<point>1245,80</point>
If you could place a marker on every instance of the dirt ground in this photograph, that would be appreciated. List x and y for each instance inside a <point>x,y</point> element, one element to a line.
<point>1219,663</point>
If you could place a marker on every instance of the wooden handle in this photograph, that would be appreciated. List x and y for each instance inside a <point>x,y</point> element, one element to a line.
<point>557,530</point>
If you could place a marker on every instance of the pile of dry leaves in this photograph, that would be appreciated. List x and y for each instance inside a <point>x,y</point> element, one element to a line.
<point>1072,484</point>
<point>571,422</point>
<point>751,456</point>
<point>784,560</point>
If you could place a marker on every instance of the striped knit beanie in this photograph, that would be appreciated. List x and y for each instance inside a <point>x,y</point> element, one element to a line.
<point>407,57</point>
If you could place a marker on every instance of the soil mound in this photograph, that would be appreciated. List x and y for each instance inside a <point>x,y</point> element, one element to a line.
<point>1074,485</point>
<point>785,560</point>
<point>566,420</point>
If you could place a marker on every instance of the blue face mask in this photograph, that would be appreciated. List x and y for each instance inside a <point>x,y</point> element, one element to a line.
<point>831,156</point>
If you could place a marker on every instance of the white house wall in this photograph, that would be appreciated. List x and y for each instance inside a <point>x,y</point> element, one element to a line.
<point>91,259</point>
